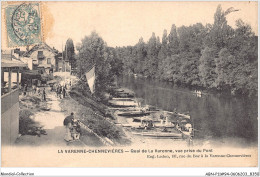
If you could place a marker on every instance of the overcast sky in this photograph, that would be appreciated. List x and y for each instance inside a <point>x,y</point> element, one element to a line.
<point>123,23</point>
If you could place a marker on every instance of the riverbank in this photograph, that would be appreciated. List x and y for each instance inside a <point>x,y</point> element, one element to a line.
<point>92,114</point>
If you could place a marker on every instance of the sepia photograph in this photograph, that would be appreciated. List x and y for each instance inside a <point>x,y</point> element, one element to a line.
<point>129,84</point>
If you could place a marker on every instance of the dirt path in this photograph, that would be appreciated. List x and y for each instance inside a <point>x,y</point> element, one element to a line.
<point>52,122</point>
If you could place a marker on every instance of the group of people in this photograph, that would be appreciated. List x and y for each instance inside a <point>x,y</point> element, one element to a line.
<point>147,124</point>
<point>164,119</point>
<point>60,90</point>
<point>72,128</point>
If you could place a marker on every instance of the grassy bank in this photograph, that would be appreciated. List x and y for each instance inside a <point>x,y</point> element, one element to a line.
<point>92,114</point>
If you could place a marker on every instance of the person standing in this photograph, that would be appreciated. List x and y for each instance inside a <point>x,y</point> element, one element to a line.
<point>24,92</point>
<point>38,91</point>
<point>54,87</point>
<point>35,89</point>
<point>166,120</point>
<point>51,85</point>
<point>25,89</point>
<point>68,123</point>
<point>64,92</point>
<point>162,119</point>
<point>57,91</point>
<point>60,91</point>
<point>44,94</point>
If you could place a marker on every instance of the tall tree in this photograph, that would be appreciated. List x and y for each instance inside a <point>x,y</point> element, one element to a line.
<point>141,53</point>
<point>221,32</point>
<point>70,53</point>
<point>152,54</point>
<point>173,45</point>
<point>162,53</point>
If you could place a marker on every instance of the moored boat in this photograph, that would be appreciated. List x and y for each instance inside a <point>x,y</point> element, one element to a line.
<point>121,103</point>
<point>119,90</point>
<point>160,134</point>
<point>123,99</point>
<point>133,114</point>
<point>123,95</point>
<point>179,115</point>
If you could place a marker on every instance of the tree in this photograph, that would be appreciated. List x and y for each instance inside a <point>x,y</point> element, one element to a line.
<point>114,61</point>
<point>92,51</point>
<point>152,55</point>
<point>207,67</point>
<point>244,47</point>
<point>141,53</point>
<point>162,54</point>
<point>225,65</point>
<point>70,53</point>
<point>220,32</point>
<point>211,56</point>
<point>173,45</point>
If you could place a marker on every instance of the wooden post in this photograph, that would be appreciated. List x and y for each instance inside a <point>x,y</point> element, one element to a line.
<point>2,76</point>
<point>17,79</point>
<point>9,79</point>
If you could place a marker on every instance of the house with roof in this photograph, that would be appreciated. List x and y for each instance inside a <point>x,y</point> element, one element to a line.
<point>43,57</point>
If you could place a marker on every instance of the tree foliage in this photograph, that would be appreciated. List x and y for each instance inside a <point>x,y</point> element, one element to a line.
<point>93,51</point>
<point>69,53</point>
<point>214,56</point>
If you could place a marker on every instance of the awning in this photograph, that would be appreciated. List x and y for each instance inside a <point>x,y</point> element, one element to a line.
<point>12,63</point>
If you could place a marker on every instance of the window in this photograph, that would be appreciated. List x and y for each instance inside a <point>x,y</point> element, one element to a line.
<point>40,55</point>
<point>48,61</point>
<point>39,61</point>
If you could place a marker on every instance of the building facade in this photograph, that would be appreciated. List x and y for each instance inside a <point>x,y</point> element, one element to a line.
<point>43,57</point>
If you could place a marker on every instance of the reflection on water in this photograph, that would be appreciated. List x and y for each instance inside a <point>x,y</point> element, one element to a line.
<point>216,118</point>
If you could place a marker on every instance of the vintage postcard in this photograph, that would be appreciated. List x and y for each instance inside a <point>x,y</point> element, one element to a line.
<point>129,84</point>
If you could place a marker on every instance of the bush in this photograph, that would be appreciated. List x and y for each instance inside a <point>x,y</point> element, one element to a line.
<point>25,121</point>
<point>103,128</point>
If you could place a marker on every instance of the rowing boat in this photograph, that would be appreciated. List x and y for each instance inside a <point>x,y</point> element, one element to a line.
<point>133,114</point>
<point>121,103</point>
<point>160,134</point>
<point>123,99</point>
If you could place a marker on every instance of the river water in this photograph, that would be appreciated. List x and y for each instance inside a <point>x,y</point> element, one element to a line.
<point>218,120</point>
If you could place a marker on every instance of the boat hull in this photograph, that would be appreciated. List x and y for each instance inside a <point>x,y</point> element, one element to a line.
<point>160,134</point>
<point>133,114</point>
